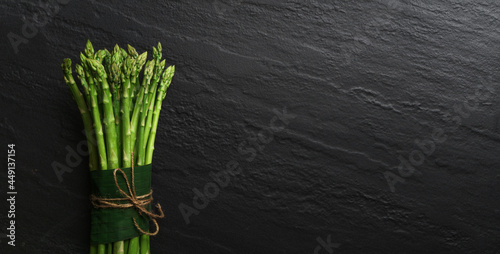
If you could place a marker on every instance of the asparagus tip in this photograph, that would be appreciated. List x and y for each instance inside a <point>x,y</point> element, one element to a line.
<point>142,59</point>
<point>79,70</point>
<point>131,51</point>
<point>66,66</point>
<point>148,71</point>
<point>89,49</point>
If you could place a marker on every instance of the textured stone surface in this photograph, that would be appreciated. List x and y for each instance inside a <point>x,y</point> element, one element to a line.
<point>363,80</point>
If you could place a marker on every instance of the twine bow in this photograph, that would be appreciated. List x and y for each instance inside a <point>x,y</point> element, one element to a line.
<point>138,202</point>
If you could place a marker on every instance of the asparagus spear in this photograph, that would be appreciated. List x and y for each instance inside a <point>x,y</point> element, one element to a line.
<point>126,132</point>
<point>101,249</point>
<point>89,53</point>
<point>133,247</point>
<point>109,118</point>
<point>82,106</point>
<point>101,148</point>
<point>109,248</point>
<point>162,92</point>
<point>165,83</point>
<point>93,249</point>
<point>141,141</point>
<point>159,66</point>
<point>134,76</point>
<point>98,129</point>
<point>89,50</point>
<point>144,111</point>
<point>132,52</point>
<point>124,53</point>
<point>126,246</point>
<point>100,55</point>
<point>80,73</point>
<point>116,85</point>
<point>139,103</point>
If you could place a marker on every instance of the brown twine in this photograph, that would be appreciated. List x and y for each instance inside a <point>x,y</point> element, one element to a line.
<point>138,202</point>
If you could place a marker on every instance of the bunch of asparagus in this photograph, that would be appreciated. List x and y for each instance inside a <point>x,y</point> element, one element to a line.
<point>120,113</point>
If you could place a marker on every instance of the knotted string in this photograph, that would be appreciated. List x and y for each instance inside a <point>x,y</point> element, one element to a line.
<point>138,202</point>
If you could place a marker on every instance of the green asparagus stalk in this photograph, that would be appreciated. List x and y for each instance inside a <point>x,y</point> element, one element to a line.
<point>116,85</point>
<point>139,105</point>
<point>149,117</point>
<point>118,247</point>
<point>165,83</point>
<point>89,73</point>
<point>100,55</point>
<point>93,249</point>
<point>162,92</point>
<point>126,246</point>
<point>109,248</point>
<point>96,112</point>
<point>149,88</point>
<point>98,129</point>
<point>158,69</point>
<point>89,50</point>
<point>96,118</point>
<point>159,66</point>
<point>80,73</point>
<point>101,248</point>
<point>134,244</point>
<point>82,106</point>
<point>144,111</point>
<point>125,112</point>
<point>144,240</point>
<point>133,247</point>
<point>124,53</point>
<point>109,117</point>
<point>134,78</point>
<point>121,73</point>
<point>132,52</point>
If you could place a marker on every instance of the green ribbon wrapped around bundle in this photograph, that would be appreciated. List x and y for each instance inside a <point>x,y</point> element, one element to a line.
<point>111,224</point>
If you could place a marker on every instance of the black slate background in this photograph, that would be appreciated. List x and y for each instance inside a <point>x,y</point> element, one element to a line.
<point>363,80</point>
